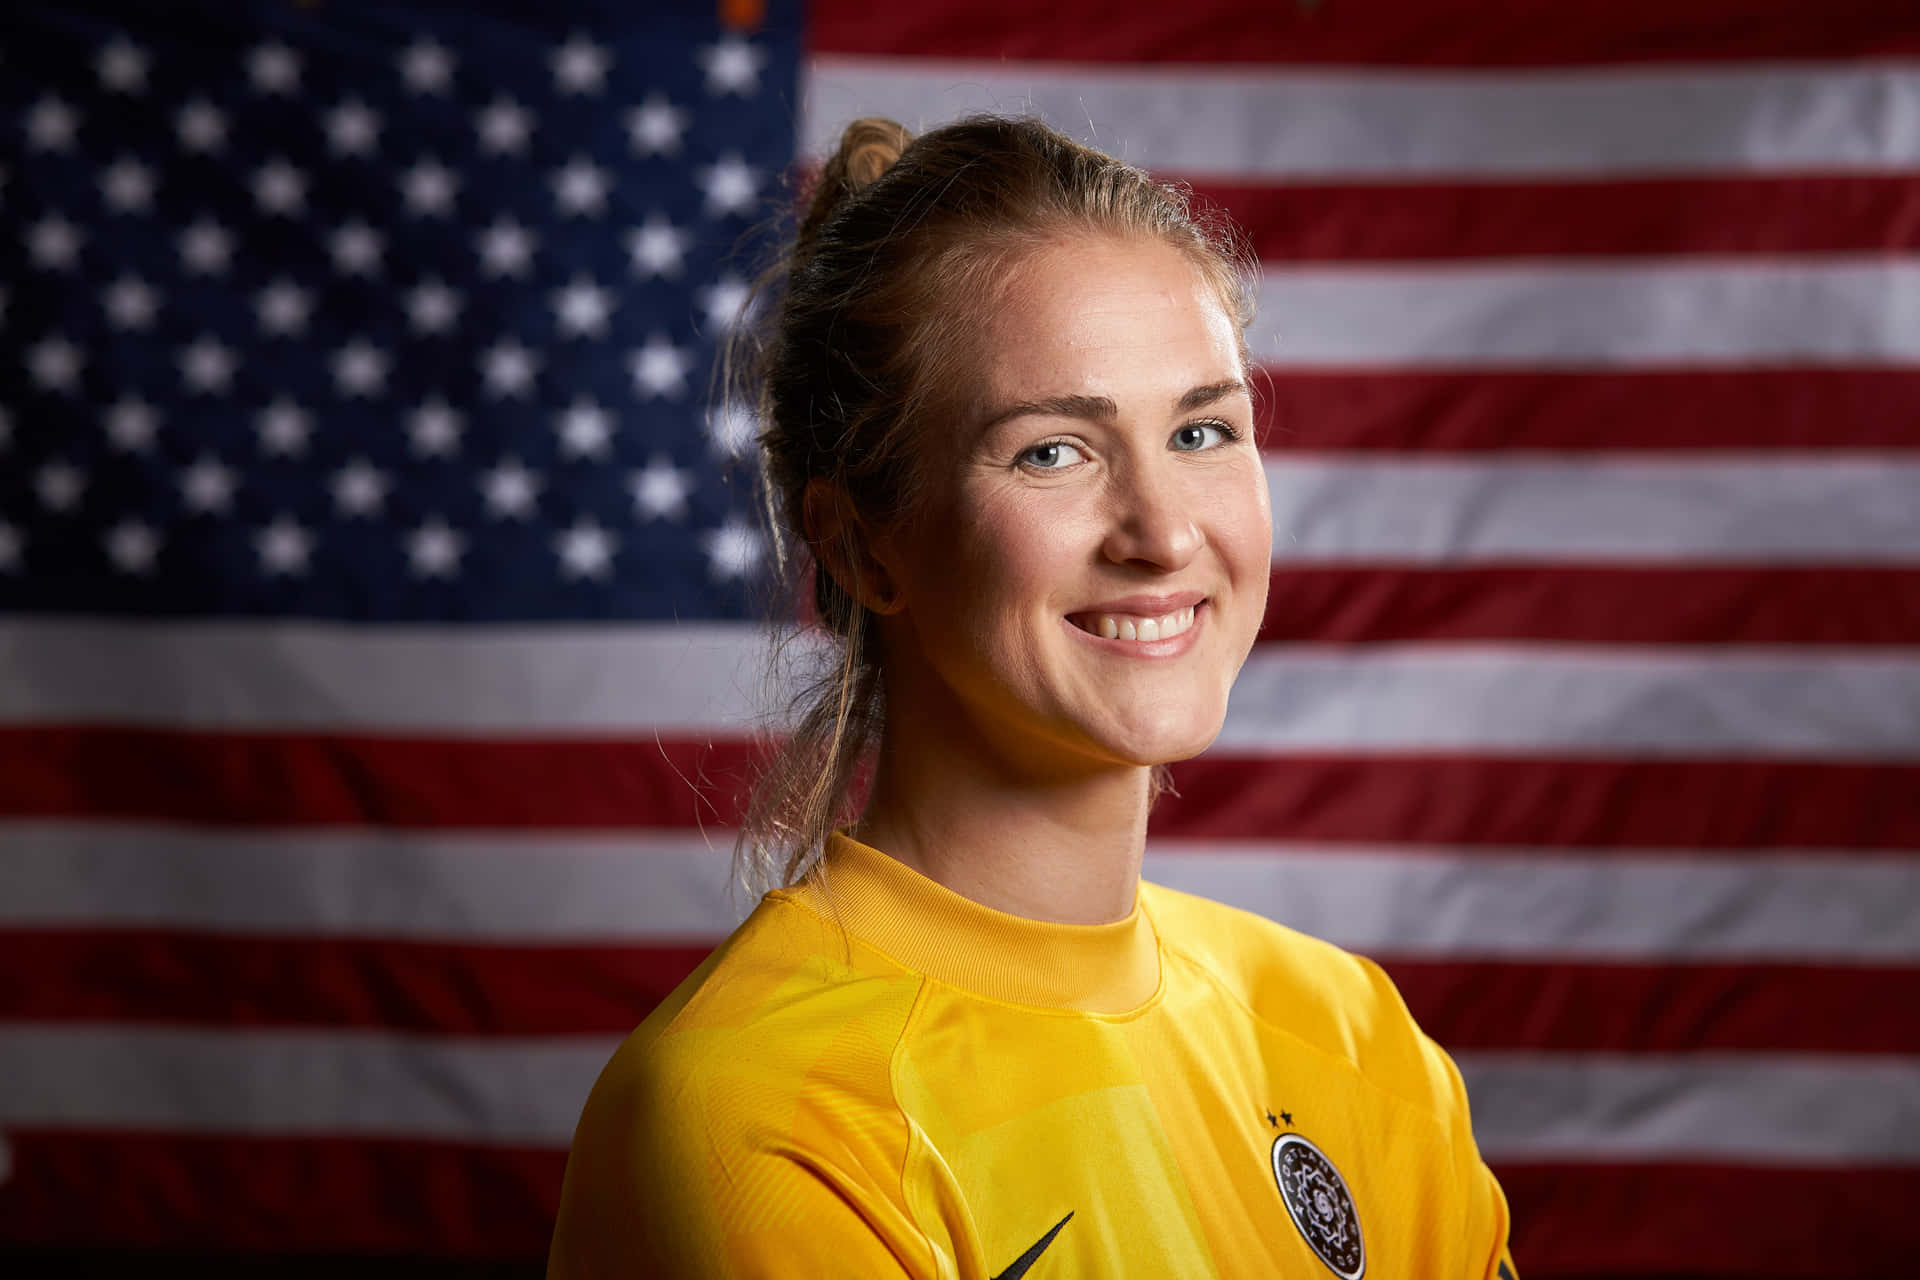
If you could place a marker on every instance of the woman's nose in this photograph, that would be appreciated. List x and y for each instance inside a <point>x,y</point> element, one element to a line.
<point>1152,524</point>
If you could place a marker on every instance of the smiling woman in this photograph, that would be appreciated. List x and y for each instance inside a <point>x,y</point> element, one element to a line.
<point>1008,414</point>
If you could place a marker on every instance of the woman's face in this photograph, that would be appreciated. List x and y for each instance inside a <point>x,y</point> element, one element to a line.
<point>1103,489</point>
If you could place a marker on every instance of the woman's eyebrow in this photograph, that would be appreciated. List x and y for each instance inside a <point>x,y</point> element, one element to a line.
<point>1103,409</point>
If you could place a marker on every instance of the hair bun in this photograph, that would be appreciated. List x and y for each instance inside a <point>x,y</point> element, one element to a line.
<point>868,148</point>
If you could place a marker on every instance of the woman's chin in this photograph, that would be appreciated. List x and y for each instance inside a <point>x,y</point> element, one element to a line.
<point>1163,744</point>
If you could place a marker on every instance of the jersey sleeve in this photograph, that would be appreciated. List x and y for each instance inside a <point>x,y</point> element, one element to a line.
<point>684,1175</point>
<point>1484,1223</point>
<point>1487,1224</point>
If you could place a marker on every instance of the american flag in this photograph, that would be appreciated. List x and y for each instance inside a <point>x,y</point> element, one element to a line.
<point>378,638</point>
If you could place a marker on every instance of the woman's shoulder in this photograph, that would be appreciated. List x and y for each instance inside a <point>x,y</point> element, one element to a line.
<point>782,988</point>
<point>1338,1002</point>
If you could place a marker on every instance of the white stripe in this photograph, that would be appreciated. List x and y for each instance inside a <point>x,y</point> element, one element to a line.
<point>1759,1108</point>
<point>269,1083</point>
<point>1611,314</point>
<point>1357,125</point>
<point>1529,904</point>
<point>1738,509</point>
<point>1830,906</point>
<point>1826,704</point>
<point>1752,703</point>
<point>657,887</point>
<point>1738,1108</point>
<point>484,681</point>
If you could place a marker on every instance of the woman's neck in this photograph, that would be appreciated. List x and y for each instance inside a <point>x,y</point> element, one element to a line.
<point>1066,848</point>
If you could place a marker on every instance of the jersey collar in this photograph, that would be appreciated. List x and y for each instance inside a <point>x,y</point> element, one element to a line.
<point>1092,968</point>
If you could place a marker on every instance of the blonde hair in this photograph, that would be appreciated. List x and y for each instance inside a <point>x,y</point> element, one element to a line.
<point>901,239</point>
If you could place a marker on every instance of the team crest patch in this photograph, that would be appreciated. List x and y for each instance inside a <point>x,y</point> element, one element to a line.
<point>1318,1202</point>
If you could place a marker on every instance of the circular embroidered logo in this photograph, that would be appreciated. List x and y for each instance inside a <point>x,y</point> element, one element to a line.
<point>1316,1198</point>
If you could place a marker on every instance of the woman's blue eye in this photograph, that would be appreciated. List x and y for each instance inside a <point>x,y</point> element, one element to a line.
<point>1049,455</point>
<point>1201,435</point>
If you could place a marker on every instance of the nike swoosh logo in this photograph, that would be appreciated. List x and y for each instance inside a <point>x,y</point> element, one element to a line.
<point>1025,1260</point>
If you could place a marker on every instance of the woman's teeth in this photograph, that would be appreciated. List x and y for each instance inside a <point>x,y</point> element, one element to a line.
<point>1127,626</point>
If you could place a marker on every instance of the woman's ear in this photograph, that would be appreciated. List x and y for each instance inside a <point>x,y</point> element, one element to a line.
<point>841,541</point>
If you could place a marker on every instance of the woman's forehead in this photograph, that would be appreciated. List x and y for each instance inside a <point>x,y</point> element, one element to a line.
<point>1100,316</point>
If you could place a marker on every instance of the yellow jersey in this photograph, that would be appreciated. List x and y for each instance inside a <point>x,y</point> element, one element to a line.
<point>875,1076</point>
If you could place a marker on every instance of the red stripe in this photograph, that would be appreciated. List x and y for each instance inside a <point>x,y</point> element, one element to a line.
<point>1672,411</point>
<point>279,1195</point>
<point>1427,221</point>
<point>152,976</point>
<point>1594,604</point>
<point>1742,807</point>
<point>1669,1007</point>
<point>1712,1221</point>
<point>164,976</point>
<point>269,779</point>
<point>285,780</point>
<point>1414,33</point>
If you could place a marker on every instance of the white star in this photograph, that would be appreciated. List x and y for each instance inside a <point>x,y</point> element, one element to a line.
<point>132,546</point>
<point>659,369</point>
<point>427,66</point>
<point>122,67</point>
<point>655,127</point>
<point>725,302</point>
<point>356,249</point>
<point>353,128</point>
<point>660,490</point>
<point>586,550</point>
<point>207,485</point>
<point>207,366</point>
<point>435,428</point>
<point>509,368</point>
<point>51,124</point>
<point>10,547</point>
<point>510,490</point>
<point>435,550</point>
<point>359,369</point>
<point>733,428</point>
<point>585,430</point>
<point>658,248</point>
<point>504,127</point>
<point>54,243</point>
<point>201,127</point>
<point>206,247</point>
<point>55,363</point>
<point>284,427</point>
<point>731,185</point>
<point>283,307</point>
<point>360,488</point>
<point>506,248</point>
<point>429,188</point>
<point>733,549</point>
<point>580,66</point>
<point>432,307</point>
<point>59,485</point>
<point>582,308</point>
<point>127,186</point>
<point>284,547</point>
<point>732,66</point>
<point>274,68</point>
<point>132,424</point>
<point>130,303</point>
<point>581,188</point>
<point>280,188</point>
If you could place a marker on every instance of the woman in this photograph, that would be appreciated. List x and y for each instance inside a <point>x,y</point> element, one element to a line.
<point>1008,410</point>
